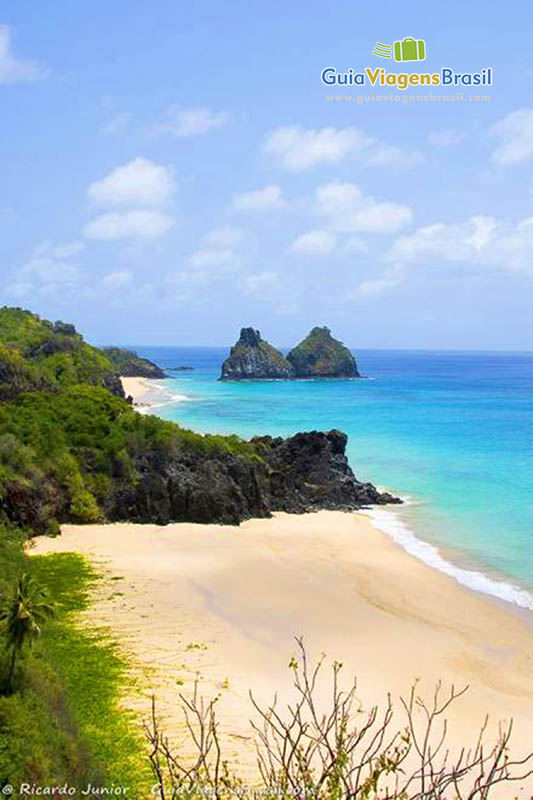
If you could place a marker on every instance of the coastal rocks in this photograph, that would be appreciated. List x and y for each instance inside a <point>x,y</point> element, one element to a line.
<point>319,355</point>
<point>306,472</point>
<point>310,471</point>
<point>129,365</point>
<point>252,357</point>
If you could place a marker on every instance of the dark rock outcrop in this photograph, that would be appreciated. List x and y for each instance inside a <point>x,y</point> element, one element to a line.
<point>319,355</point>
<point>128,364</point>
<point>310,471</point>
<point>252,358</point>
<point>306,472</point>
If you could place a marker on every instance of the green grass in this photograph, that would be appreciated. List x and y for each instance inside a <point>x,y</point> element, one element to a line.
<point>65,722</point>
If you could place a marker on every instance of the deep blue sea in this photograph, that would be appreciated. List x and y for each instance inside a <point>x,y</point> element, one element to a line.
<point>450,431</point>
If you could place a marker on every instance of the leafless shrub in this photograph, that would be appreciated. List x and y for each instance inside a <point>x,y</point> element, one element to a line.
<point>343,753</point>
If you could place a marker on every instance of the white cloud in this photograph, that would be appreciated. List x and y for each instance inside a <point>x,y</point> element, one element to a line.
<point>261,282</point>
<point>19,289</point>
<point>224,237</point>
<point>298,148</point>
<point>186,122</point>
<point>137,224</point>
<point>49,269</point>
<point>515,132</point>
<point>211,257</point>
<point>59,251</point>
<point>220,251</point>
<point>476,242</point>
<point>15,70</point>
<point>139,182</point>
<point>314,243</point>
<point>345,208</point>
<point>117,280</point>
<point>354,245</point>
<point>116,124</point>
<point>266,199</point>
<point>445,137</point>
<point>373,287</point>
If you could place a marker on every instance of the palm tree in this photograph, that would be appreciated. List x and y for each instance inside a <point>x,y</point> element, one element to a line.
<point>25,612</point>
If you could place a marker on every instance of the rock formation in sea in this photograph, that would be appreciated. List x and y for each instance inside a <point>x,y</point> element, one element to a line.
<point>319,355</point>
<point>252,357</point>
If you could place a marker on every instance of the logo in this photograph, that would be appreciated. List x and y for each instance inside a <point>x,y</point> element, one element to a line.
<point>404,50</point>
<point>407,49</point>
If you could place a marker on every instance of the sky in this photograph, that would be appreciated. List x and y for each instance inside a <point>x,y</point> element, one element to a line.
<point>173,171</point>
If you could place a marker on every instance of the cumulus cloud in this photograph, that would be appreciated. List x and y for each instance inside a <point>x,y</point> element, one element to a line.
<point>117,280</point>
<point>266,199</point>
<point>447,137</point>
<point>224,237</point>
<point>137,224</point>
<point>262,282</point>
<point>139,182</point>
<point>221,251</point>
<point>373,287</point>
<point>15,70</point>
<point>314,243</point>
<point>116,124</point>
<point>211,257</point>
<point>298,148</point>
<point>515,132</point>
<point>354,245</point>
<point>476,242</point>
<point>50,268</point>
<point>345,208</point>
<point>186,122</point>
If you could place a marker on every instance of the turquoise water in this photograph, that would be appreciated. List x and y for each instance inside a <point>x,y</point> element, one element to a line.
<point>452,431</point>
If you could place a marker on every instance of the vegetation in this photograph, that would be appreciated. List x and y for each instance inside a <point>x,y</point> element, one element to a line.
<point>28,608</point>
<point>320,355</point>
<point>62,722</point>
<point>336,752</point>
<point>130,365</point>
<point>49,355</point>
<point>68,441</point>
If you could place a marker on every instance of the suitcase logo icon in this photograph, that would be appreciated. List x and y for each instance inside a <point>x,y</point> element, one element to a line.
<point>410,50</point>
<point>407,49</point>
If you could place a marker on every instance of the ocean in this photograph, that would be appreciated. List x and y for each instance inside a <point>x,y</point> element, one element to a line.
<point>449,431</point>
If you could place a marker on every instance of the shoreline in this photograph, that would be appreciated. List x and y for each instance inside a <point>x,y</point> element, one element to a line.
<point>227,602</point>
<point>146,392</point>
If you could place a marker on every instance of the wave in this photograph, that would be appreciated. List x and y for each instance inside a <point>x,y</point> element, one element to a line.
<point>160,396</point>
<point>390,523</point>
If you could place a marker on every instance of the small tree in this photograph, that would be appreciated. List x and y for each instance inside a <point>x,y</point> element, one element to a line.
<point>23,616</point>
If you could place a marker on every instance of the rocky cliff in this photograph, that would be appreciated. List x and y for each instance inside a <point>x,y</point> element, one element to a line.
<point>129,365</point>
<point>252,357</point>
<point>306,472</point>
<point>73,451</point>
<point>319,355</point>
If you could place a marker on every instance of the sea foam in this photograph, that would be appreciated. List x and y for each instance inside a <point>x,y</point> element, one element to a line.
<point>390,523</point>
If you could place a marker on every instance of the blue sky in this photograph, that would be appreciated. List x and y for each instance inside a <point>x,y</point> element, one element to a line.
<point>173,171</point>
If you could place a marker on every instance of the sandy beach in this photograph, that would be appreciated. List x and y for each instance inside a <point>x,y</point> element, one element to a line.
<point>225,603</point>
<point>137,388</point>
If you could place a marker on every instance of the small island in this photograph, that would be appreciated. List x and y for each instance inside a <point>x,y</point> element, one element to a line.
<point>319,355</point>
<point>251,357</point>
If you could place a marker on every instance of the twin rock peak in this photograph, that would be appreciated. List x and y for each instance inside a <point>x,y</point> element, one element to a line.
<point>319,355</point>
